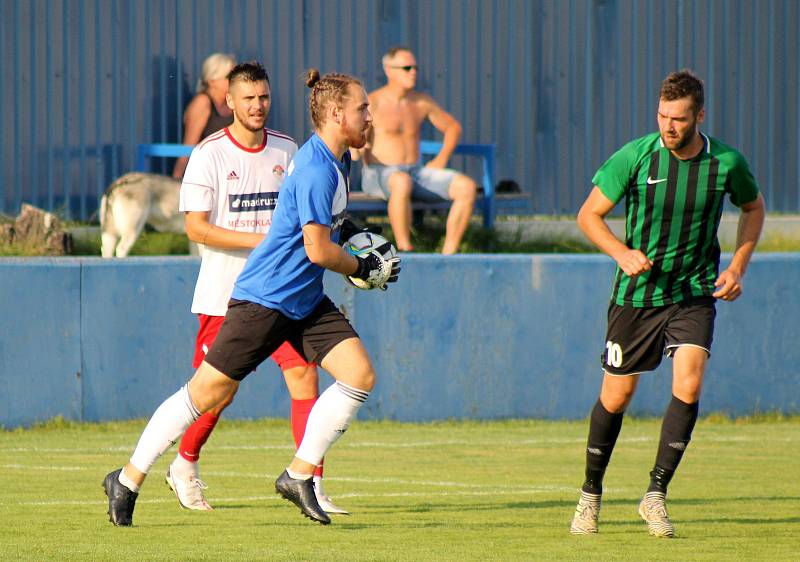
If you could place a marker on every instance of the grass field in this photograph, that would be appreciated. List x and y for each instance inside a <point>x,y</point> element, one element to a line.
<point>443,491</point>
<point>428,237</point>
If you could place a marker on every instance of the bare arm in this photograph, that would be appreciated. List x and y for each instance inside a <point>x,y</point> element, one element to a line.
<point>450,128</point>
<point>324,252</point>
<point>195,119</point>
<point>591,220</point>
<point>199,230</point>
<point>751,220</point>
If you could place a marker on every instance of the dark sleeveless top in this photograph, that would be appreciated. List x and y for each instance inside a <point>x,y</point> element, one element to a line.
<point>215,120</point>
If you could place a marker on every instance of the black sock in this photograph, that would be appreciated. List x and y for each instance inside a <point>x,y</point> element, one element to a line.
<point>603,432</point>
<point>676,432</point>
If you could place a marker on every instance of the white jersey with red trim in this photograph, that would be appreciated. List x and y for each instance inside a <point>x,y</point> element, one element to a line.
<point>238,186</point>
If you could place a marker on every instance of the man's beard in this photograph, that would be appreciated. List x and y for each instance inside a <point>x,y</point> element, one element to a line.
<point>354,138</point>
<point>245,120</point>
<point>680,142</point>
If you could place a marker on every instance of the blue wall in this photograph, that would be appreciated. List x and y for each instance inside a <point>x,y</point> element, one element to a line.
<point>469,336</point>
<point>557,84</point>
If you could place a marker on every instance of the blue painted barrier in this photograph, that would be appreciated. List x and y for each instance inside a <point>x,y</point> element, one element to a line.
<point>40,340</point>
<point>470,336</point>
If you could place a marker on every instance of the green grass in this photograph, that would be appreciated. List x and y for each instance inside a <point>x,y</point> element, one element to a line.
<point>772,243</point>
<point>428,236</point>
<point>15,250</point>
<point>444,491</point>
<point>150,243</point>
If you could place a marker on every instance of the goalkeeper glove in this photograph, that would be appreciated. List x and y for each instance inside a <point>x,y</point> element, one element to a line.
<point>350,229</point>
<point>376,270</point>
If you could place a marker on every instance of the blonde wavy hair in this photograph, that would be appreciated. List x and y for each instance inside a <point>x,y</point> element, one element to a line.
<point>215,66</point>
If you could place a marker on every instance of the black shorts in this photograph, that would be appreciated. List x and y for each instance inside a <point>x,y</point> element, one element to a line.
<point>252,332</point>
<point>637,338</point>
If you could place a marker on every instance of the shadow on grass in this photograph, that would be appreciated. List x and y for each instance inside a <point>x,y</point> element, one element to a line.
<point>569,505</point>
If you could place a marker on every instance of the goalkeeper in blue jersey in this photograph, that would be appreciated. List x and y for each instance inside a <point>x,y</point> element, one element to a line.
<point>279,297</point>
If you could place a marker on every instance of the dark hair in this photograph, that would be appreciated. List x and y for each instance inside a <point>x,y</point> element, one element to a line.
<point>331,88</point>
<point>683,84</point>
<point>251,71</point>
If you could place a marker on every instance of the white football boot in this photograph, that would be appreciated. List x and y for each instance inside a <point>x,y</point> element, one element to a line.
<point>653,509</point>
<point>189,490</point>
<point>584,522</point>
<point>325,502</point>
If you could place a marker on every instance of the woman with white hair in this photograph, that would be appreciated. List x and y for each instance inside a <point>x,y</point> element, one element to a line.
<point>207,112</point>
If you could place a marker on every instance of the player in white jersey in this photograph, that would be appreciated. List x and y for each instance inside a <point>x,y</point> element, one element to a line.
<point>230,187</point>
<point>229,191</point>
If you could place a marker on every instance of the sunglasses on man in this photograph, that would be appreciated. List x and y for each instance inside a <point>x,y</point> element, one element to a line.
<point>408,67</point>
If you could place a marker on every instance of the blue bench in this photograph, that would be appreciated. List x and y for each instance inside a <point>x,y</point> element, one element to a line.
<point>362,203</point>
<point>159,150</point>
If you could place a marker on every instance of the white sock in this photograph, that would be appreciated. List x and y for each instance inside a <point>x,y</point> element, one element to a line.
<point>329,418</point>
<point>593,499</point>
<point>127,482</point>
<point>168,423</point>
<point>297,475</point>
<point>182,468</point>
<point>318,485</point>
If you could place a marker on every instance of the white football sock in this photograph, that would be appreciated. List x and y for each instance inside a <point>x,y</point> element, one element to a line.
<point>182,468</point>
<point>127,482</point>
<point>297,475</point>
<point>168,423</point>
<point>329,418</point>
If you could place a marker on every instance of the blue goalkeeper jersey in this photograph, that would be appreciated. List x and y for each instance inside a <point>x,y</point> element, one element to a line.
<point>278,273</point>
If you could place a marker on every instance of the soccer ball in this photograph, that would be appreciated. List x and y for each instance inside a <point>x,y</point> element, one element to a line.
<point>363,243</point>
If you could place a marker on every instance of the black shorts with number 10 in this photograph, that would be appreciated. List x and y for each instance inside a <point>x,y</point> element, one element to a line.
<point>637,338</point>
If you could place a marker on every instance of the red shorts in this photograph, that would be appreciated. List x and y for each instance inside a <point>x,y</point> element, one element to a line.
<point>285,356</point>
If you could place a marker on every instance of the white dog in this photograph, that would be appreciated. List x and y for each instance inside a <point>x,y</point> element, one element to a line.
<point>134,200</point>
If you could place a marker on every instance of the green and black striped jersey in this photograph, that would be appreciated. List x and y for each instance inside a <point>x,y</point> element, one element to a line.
<point>672,213</point>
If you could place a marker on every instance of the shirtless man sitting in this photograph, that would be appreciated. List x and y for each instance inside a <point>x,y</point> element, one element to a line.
<point>391,158</point>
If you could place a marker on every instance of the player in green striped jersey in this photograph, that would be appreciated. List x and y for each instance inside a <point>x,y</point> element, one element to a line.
<point>667,279</point>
